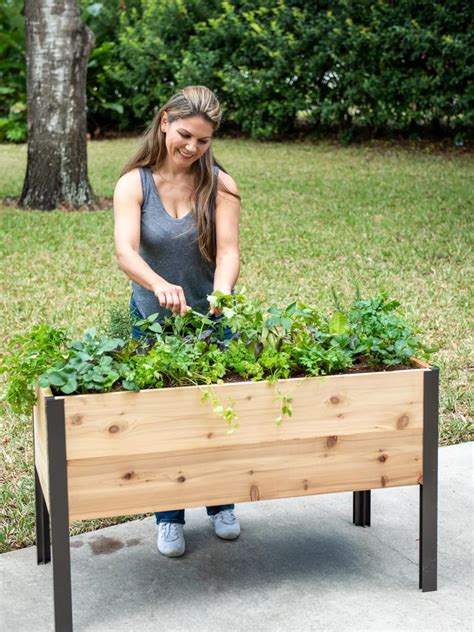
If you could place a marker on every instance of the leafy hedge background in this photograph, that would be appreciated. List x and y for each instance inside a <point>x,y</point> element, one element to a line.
<point>277,65</point>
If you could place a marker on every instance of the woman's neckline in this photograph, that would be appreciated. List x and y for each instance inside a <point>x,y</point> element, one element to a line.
<point>175,219</point>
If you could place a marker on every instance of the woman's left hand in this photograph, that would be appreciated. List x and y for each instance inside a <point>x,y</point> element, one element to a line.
<point>215,311</point>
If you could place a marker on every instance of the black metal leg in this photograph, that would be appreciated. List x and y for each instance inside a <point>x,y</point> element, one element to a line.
<point>59,515</point>
<point>361,508</point>
<point>429,487</point>
<point>43,546</point>
<point>356,508</point>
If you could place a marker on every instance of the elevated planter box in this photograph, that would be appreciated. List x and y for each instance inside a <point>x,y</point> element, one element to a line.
<point>112,454</point>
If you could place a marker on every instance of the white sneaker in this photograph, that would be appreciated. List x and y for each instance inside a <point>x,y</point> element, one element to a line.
<point>225,524</point>
<point>171,539</point>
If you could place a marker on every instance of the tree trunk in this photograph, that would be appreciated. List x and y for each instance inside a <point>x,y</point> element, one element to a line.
<point>58,45</point>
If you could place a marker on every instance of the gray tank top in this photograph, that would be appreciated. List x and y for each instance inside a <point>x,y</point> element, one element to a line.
<point>170,247</point>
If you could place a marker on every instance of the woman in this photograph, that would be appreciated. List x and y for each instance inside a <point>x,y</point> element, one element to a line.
<point>177,238</point>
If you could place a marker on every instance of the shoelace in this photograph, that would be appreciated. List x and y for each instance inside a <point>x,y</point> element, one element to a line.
<point>226,516</point>
<point>171,531</point>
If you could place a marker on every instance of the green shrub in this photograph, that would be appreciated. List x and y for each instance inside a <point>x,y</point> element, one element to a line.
<point>341,65</point>
<point>379,65</point>
<point>12,72</point>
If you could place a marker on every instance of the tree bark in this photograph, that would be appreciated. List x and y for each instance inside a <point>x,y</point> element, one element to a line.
<point>58,45</point>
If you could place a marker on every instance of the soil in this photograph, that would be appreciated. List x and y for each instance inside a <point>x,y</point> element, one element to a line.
<point>360,367</point>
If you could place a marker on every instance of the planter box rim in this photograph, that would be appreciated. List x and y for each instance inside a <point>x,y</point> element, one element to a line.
<point>420,365</point>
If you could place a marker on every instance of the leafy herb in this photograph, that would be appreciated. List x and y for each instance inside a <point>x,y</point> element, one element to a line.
<point>87,366</point>
<point>119,322</point>
<point>381,333</point>
<point>27,357</point>
<point>183,350</point>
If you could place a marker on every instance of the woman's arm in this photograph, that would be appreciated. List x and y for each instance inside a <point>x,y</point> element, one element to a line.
<point>227,235</point>
<point>127,212</point>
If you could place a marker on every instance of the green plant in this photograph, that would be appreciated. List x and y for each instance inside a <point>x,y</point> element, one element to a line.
<point>380,333</point>
<point>87,365</point>
<point>286,408</point>
<point>384,66</point>
<point>226,412</point>
<point>118,322</point>
<point>190,349</point>
<point>13,126</point>
<point>27,357</point>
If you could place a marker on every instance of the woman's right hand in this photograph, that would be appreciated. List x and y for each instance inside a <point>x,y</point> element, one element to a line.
<point>171,297</point>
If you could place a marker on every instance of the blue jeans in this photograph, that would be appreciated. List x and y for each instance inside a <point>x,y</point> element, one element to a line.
<point>175,515</point>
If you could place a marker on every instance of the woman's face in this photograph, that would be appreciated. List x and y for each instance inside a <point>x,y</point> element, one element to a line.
<point>187,139</point>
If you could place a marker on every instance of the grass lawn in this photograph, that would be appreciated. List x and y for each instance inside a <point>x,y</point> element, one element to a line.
<point>315,217</point>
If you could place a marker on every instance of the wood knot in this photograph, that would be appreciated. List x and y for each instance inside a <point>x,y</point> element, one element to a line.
<point>382,458</point>
<point>181,479</point>
<point>254,493</point>
<point>76,420</point>
<point>128,476</point>
<point>305,484</point>
<point>340,416</point>
<point>402,422</point>
<point>334,399</point>
<point>249,397</point>
<point>210,435</point>
<point>250,472</point>
<point>383,480</point>
<point>331,441</point>
<point>114,428</point>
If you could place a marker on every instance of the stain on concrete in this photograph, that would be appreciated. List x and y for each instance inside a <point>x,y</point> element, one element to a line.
<point>76,544</point>
<point>133,542</point>
<point>103,545</point>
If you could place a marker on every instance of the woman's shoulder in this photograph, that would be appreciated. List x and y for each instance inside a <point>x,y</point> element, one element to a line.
<point>130,183</point>
<point>226,183</point>
<point>131,176</point>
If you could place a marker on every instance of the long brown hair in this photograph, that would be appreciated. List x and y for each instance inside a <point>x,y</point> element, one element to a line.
<point>152,152</point>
